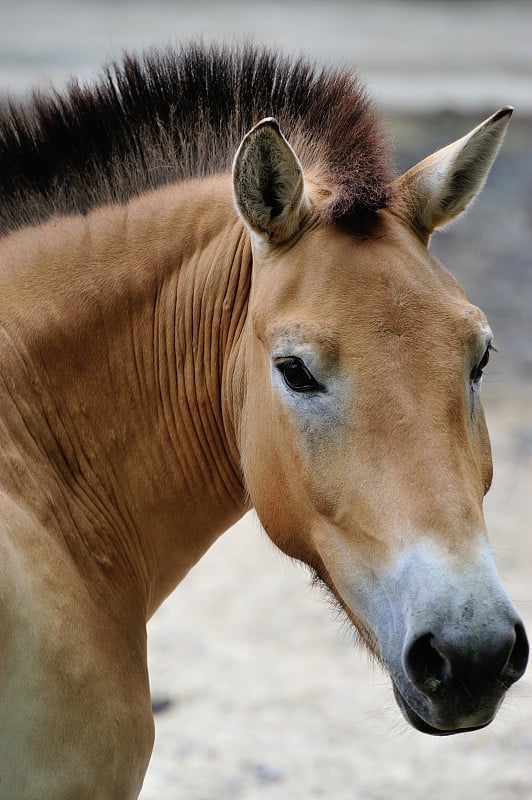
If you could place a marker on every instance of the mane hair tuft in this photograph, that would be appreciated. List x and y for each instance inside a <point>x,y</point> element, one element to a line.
<point>169,115</point>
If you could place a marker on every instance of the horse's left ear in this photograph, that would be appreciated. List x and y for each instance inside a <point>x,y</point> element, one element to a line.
<point>440,187</point>
<point>268,184</point>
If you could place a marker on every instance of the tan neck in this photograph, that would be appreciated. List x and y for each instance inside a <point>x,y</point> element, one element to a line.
<point>124,328</point>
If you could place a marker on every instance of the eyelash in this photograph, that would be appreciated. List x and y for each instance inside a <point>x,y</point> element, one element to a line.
<point>477,372</point>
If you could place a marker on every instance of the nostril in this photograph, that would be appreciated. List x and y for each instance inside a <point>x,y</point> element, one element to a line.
<point>425,666</point>
<point>518,659</point>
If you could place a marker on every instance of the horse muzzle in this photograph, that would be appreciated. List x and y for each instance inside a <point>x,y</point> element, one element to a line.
<point>456,684</point>
<point>455,645</point>
<point>447,633</point>
<point>444,628</point>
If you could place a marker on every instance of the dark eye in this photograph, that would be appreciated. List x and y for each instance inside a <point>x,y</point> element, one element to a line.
<point>297,377</point>
<point>476,373</point>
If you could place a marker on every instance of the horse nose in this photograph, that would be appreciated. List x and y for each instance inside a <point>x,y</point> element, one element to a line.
<point>434,663</point>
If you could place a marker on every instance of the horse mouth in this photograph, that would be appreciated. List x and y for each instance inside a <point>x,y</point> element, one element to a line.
<point>422,725</point>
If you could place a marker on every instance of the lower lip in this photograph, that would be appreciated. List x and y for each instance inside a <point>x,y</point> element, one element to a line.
<point>419,723</point>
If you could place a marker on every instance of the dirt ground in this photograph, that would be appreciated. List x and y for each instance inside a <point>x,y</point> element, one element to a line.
<point>262,695</point>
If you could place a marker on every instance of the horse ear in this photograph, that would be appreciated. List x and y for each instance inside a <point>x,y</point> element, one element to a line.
<point>268,184</point>
<point>440,187</point>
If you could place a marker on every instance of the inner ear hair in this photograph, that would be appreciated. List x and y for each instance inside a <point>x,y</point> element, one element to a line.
<point>268,182</point>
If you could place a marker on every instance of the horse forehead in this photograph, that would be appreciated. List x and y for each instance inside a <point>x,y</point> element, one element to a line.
<point>336,280</point>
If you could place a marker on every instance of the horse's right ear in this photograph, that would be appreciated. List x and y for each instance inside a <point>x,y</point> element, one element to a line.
<point>268,184</point>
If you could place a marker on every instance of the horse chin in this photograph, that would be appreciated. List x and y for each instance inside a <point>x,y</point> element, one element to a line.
<point>421,725</point>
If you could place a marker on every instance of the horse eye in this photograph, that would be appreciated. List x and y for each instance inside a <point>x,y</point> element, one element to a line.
<point>297,377</point>
<point>476,373</point>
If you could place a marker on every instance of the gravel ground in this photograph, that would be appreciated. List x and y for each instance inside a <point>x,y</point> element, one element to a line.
<point>261,693</point>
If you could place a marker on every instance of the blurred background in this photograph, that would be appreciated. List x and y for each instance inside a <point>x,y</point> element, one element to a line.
<point>259,692</point>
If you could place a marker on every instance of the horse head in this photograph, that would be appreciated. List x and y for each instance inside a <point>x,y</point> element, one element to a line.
<point>363,440</point>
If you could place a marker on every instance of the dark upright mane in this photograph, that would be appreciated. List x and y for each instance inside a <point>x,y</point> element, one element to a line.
<point>171,115</point>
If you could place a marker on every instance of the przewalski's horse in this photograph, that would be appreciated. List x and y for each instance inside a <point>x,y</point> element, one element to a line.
<point>168,362</point>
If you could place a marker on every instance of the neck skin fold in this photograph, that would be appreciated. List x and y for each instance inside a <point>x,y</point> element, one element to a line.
<point>121,337</point>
